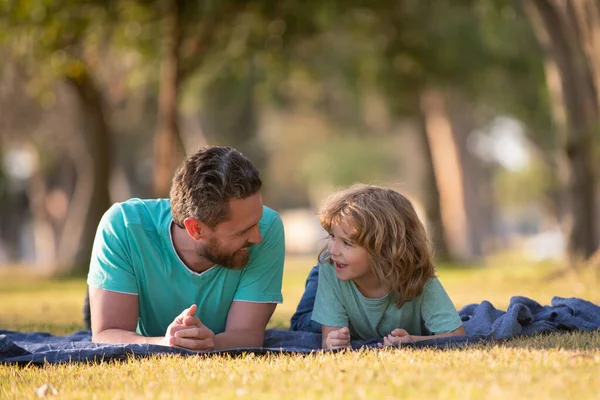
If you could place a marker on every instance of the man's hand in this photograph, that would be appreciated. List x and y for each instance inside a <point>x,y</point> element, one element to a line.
<point>338,338</point>
<point>189,332</point>
<point>397,336</point>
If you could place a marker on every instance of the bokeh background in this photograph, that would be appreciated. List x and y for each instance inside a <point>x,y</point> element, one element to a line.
<point>484,112</point>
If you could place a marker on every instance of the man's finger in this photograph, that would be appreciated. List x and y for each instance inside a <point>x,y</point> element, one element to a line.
<point>190,312</point>
<point>192,321</point>
<point>176,328</point>
<point>194,344</point>
<point>197,333</point>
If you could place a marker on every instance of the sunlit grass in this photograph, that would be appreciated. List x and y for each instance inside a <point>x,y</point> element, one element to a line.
<point>542,367</point>
<point>479,373</point>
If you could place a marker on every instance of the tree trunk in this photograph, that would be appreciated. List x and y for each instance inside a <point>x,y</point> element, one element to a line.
<point>91,197</point>
<point>476,178</point>
<point>432,201</point>
<point>572,73</point>
<point>167,133</point>
<point>448,174</point>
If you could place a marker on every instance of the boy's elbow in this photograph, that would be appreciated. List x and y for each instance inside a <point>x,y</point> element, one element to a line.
<point>460,331</point>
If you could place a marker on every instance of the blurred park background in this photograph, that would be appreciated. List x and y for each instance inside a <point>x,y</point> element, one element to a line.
<point>484,112</point>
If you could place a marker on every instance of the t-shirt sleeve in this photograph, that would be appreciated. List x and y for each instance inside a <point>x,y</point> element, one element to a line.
<point>329,309</point>
<point>438,311</point>
<point>261,279</point>
<point>110,266</point>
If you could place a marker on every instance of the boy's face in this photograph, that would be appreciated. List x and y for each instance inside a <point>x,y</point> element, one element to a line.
<point>350,260</point>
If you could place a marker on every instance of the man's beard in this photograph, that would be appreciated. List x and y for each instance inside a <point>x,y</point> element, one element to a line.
<point>236,260</point>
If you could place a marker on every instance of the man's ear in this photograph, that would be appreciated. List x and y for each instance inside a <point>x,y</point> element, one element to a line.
<point>195,228</point>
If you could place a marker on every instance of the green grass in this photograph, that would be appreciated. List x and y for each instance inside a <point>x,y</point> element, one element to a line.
<point>542,367</point>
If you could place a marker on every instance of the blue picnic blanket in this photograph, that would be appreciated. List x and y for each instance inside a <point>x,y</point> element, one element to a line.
<point>482,322</point>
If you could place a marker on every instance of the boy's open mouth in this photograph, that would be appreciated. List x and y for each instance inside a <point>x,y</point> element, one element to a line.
<point>339,265</point>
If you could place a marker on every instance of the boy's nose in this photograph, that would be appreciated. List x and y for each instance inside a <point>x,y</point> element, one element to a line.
<point>333,249</point>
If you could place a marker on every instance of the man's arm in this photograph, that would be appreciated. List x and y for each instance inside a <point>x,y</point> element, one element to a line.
<point>246,323</point>
<point>115,317</point>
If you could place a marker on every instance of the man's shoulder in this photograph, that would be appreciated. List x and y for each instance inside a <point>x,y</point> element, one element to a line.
<point>149,213</point>
<point>269,215</point>
<point>270,220</point>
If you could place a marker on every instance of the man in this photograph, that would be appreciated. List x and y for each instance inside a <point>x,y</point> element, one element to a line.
<point>202,270</point>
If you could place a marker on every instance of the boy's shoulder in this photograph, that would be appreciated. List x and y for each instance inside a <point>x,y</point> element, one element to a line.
<point>328,271</point>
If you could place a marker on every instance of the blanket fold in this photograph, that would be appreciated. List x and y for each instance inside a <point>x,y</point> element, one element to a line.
<point>482,322</point>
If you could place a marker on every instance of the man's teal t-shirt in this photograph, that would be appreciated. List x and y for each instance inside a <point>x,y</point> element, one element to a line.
<point>340,303</point>
<point>133,253</point>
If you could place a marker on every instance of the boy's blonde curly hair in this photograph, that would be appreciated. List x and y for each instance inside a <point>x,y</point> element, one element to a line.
<point>385,223</point>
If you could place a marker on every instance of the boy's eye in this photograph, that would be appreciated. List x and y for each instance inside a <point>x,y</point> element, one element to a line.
<point>347,244</point>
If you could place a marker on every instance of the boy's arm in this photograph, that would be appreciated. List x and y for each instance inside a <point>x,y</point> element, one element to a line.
<point>398,336</point>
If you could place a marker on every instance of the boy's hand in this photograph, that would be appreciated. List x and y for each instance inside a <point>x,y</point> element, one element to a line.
<point>338,339</point>
<point>397,336</point>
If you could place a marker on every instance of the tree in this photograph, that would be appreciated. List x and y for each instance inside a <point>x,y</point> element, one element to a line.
<point>435,56</point>
<point>49,40</point>
<point>565,31</point>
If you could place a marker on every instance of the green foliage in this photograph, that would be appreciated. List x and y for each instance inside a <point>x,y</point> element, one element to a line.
<point>46,35</point>
<point>345,160</point>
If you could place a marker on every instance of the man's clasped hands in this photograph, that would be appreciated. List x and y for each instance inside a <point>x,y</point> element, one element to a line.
<point>189,332</point>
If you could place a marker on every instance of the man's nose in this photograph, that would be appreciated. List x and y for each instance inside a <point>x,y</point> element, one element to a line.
<point>255,236</point>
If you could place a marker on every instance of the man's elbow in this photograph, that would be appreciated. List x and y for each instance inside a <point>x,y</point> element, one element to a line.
<point>105,336</point>
<point>257,339</point>
<point>97,337</point>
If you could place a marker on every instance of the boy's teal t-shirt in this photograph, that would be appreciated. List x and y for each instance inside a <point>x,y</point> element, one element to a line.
<point>340,303</point>
<point>133,253</point>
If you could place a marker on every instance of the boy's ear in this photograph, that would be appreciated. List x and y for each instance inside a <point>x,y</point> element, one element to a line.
<point>195,228</point>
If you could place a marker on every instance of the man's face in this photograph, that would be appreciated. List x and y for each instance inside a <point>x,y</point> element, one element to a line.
<point>227,244</point>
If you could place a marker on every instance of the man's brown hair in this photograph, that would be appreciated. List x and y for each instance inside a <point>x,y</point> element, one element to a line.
<point>207,180</point>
